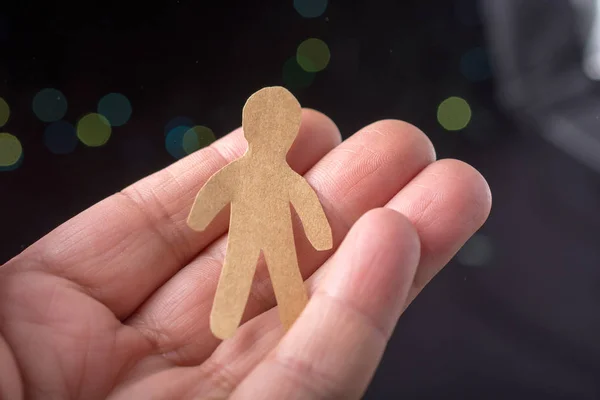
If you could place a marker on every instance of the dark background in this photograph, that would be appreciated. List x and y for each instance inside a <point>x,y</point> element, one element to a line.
<point>515,315</point>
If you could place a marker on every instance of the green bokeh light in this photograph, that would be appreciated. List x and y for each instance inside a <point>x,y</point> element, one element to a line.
<point>11,150</point>
<point>294,77</point>
<point>454,114</point>
<point>93,130</point>
<point>313,55</point>
<point>4,112</point>
<point>50,105</point>
<point>116,108</point>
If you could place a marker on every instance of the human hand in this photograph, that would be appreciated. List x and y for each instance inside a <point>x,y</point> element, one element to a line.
<point>115,303</point>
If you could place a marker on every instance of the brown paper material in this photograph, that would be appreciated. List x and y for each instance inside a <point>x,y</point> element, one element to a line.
<point>260,187</point>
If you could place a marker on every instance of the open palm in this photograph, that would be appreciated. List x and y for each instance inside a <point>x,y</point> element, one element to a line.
<point>115,302</point>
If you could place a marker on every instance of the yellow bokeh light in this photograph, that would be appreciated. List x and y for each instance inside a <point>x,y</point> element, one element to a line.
<point>454,114</point>
<point>196,138</point>
<point>10,150</point>
<point>4,112</point>
<point>93,130</point>
<point>313,55</point>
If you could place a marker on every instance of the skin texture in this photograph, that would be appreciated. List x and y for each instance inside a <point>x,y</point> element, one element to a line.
<point>115,303</point>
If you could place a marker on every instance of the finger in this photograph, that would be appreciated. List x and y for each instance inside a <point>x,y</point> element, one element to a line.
<point>10,379</point>
<point>234,359</point>
<point>123,248</point>
<point>447,203</point>
<point>364,172</point>
<point>332,350</point>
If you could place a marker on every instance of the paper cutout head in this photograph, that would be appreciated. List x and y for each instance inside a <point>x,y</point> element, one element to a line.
<point>272,110</point>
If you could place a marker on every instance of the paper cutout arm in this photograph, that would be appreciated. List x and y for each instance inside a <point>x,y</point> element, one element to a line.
<point>309,209</point>
<point>212,198</point>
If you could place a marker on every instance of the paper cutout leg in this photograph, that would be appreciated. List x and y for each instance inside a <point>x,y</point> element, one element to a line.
<point>234,285</point>
<point>282,263</point>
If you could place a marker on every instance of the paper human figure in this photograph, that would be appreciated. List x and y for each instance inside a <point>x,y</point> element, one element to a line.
<point>260,186</point>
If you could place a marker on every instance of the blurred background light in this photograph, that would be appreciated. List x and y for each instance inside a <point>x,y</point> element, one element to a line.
<point>310,8</point>
<point>294,77</point>
<point>178,121</point>
<point>11,151</point>
<point>477,252</point>
<point>474,65</point>
<point>591,67</point>
<point>93,130</point>
<point>4,112</point>
<point>60,137</point>
<point>588,15</point>
<point>50,105</point>
<point>116,108</point>
<point>174,141</point>
<point>313,55</point>
<point>196,138</point>
<point>454,114</point>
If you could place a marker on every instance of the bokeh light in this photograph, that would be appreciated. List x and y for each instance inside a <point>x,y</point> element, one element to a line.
<point>116,108</point>
<point>174,141</point>
<point>93,130</point>
<point>313,55</point>
<point>50,105</point>
<point>11,151</point>
<point>4,112</point>
<point>178,121</point>
<point>474,65</point>
<point>60,137</point>
<point>454,114</point>
<point>477,252</point>
<point>310,8</point>
<point>294,77</point>
<point>196,138</point>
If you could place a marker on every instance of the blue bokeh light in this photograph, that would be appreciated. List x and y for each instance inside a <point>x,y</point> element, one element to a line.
<point>174,141</point>
<point>60,137</point>
<point>13,166</point>
<point>178,121</point>
<point>310,8</point>
<point>474,65</point>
